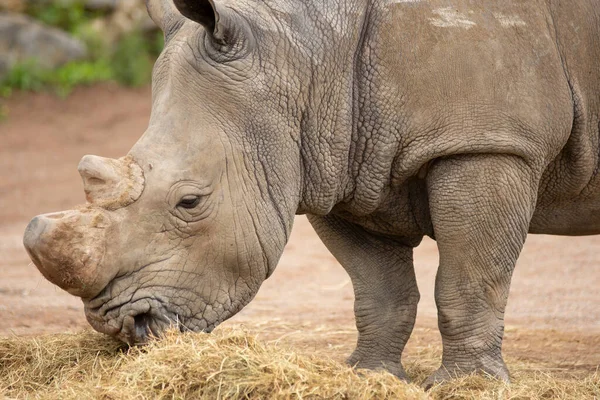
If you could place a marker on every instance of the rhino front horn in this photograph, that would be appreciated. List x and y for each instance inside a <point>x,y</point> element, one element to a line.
<point>111,183</point>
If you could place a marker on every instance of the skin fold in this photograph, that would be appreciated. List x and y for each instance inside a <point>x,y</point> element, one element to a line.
<point>383,121</point>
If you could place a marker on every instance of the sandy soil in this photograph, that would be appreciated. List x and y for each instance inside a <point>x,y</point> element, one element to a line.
<point>554,308</point>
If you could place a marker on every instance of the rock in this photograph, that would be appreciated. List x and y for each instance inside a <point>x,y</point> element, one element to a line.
<point>22,38</point>
<point>128,15</point>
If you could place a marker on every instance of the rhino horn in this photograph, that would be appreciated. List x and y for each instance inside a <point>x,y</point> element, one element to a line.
<point>111,183</point>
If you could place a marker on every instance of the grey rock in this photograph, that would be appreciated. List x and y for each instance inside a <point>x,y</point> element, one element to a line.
<point>22,38</point>
<point>128,16</point>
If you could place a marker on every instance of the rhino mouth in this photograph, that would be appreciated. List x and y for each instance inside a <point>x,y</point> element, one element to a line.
<point>138,317</point>
<point>133,322</point>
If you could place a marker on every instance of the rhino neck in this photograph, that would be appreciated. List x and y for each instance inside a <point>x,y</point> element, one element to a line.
<point>330,114</point>
<point>347,154</point>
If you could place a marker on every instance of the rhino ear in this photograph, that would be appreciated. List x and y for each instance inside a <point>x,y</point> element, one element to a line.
<point>207,13</point>
<point>163,13</point>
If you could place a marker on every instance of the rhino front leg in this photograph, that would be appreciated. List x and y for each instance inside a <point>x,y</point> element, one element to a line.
<point>481,206</point>
<point>385,289</point>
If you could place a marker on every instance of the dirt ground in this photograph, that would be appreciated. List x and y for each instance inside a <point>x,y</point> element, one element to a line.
<point>553,315</point>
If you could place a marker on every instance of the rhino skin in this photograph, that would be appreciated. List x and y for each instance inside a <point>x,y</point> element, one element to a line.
<point>384,121</point>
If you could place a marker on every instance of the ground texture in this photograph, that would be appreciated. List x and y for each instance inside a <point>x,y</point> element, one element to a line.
<point>553,316</point>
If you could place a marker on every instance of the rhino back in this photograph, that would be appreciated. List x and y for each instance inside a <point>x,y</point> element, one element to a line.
<point>434,81</point>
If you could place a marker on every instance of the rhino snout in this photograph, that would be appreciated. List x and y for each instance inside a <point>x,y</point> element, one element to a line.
<point>68,247</point>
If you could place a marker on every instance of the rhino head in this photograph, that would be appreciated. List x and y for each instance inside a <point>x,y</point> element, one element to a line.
<point>185,228</point>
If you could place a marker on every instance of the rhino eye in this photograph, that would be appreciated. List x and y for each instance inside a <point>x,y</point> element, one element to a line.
<point>190,201</point>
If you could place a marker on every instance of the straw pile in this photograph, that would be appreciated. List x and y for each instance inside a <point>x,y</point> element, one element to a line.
<point>229,364</point>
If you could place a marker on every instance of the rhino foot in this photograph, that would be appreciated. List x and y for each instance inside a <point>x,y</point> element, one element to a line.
<point>491,368</point>
<point>372,363</point>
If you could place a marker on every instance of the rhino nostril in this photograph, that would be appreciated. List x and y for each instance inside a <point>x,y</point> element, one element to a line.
<point>142,327</point>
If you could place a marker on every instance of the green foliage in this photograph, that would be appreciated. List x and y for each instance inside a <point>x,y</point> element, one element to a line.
<point>23,76</point>
<point>3,112</point>
<point>128,62</point>
<point>131,62</point>
<point>67,15</point>
<point>29,76</point>
<point>157,44</point>
<point>96,46</point>
<point>80,73</point>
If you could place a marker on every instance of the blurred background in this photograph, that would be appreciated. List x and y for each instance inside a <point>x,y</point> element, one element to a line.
<point>59,44</point>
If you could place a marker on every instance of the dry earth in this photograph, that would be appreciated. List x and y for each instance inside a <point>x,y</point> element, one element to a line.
<point>553,317</point>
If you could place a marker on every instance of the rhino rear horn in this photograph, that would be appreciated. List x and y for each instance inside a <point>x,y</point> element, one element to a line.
<point>111,183</point>
<point>207,13</point>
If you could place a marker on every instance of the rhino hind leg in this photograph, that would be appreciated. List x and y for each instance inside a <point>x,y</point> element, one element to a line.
<point>481,206</point>
<point>385,289</point>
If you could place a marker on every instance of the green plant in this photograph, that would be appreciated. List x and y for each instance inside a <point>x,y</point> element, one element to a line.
<point>5,91</point>
<point>68,15</point>
<point>29,76</point>
<point>156,43</point>
<point>3,112</point>
<point>131,61</point>
<point>73,74</point>
<point>97,47</point>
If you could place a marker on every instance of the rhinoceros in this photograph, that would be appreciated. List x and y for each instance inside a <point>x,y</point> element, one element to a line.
<point>384,121</point>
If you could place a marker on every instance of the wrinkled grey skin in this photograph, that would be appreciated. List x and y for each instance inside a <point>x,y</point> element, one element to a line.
<point>384,121</point>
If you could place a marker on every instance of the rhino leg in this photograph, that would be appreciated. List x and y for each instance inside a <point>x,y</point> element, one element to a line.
<point>385,289</point>
<point>481,206</point>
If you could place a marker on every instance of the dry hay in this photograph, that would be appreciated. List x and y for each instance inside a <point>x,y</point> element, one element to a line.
<point>231,363</point>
